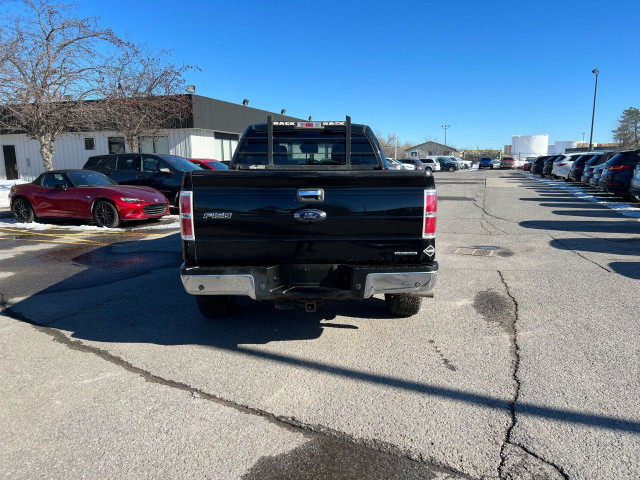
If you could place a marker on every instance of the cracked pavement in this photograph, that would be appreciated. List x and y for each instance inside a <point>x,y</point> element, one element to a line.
<point>524,365</point>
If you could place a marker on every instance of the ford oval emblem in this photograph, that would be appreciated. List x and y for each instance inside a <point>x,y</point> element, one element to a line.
<point>310,216</point>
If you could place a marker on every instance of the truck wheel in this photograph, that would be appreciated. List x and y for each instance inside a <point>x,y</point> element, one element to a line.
<point>216,306</point>
<point>402,305</point>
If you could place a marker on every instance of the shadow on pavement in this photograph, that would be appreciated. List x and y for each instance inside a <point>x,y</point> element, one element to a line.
<point>151,307</point>
<point>628,269</point>
<point>631,227</point>
<point>618,246</point>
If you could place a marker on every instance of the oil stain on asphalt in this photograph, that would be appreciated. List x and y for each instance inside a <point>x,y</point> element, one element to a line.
<point>495,308</point>
<point>334,459</point>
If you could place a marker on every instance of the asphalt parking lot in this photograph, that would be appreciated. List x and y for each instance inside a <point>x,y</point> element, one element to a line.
<point>525,364</point>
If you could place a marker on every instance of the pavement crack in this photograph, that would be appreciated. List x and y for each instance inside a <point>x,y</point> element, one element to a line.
<point>483,208</point>
<point>503,470</point>
<point>579,254</point>
<point>290,423</point>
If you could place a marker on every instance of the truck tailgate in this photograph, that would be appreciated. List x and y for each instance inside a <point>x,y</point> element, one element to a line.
<point>248,217</point>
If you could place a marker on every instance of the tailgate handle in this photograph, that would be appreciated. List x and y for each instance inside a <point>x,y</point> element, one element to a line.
<point>310,195</point>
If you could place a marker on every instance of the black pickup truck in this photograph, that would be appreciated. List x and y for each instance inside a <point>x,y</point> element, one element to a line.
<point>308,212</point>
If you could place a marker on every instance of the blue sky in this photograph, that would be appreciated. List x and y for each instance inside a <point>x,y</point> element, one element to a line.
<point>489,69</point>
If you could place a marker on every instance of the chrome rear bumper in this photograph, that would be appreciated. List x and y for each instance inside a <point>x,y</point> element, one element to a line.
<point>259,283</point>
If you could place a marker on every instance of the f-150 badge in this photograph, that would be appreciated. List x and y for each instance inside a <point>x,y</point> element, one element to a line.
<point>217,215</point>
<point>310,216</point>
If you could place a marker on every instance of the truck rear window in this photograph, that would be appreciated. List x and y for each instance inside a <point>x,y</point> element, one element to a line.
<point>305,147</point>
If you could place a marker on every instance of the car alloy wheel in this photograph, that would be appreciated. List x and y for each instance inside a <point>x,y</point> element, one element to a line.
<point>106,215</point>
<point>451,169</point>
<point>22,211</point>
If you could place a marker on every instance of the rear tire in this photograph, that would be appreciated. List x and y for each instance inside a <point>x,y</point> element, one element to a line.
<point>106,214</point>
<point>402,305</point>
<point>216,306</point>
<point>491,167</point>
<point>428,169</point>
<point>451,169</point>
<point>22,210</point>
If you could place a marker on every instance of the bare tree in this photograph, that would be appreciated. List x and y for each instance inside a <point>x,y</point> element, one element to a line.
<point>388,144</point>
<point>52,63</point>
<point>144,93</point>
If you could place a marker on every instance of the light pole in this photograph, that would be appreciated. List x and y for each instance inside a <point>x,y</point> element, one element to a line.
<point>445,133</point>
<point>593,114</point>
<point>582,137</point>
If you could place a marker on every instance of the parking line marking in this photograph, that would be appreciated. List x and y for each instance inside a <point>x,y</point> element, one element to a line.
<point>27,232</point>
<point>60,241</point>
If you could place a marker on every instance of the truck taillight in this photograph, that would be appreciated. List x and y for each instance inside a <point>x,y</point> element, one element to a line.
<point>186,216</point>
<point>430,210</point>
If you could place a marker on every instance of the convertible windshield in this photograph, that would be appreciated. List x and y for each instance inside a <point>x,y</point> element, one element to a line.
<point>89,179</point>
<point>180,163</point>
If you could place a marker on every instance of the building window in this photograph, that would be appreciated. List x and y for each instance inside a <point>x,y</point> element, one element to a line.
<point>89,143</point>
<point>154,145</point>
<point>225,145</point>
<point>116,144</point>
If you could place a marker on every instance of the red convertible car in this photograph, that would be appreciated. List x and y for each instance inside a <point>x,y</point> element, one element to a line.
<point>209,164</point>
<point>84,194</point>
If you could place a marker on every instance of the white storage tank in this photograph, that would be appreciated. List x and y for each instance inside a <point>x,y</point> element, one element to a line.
<point>523,146</point>
<point>561,145</point>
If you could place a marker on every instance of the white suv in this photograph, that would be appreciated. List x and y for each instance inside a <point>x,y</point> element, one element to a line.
<point>431,163</point>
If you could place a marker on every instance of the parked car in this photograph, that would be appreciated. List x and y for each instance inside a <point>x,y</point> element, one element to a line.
<point>548,165</point>
<point>562,166</point>
<point>577,167</point>
<point>591,164</point>
<point>159,171</point>
<point>538,164</point>
<point>448,164</point>
<point>634,185</point>
<point>317,239</point>
<point>527,166</point>
<point>597,173</point>
<point>414,162</point>
<point>209,164</point>
<point>431,163</point>
<point>87,195</point>
<point>393,164</point>
<point>463,163</point>
<point>485,162</point>
<point>618,172</point>
<point>508,162</point>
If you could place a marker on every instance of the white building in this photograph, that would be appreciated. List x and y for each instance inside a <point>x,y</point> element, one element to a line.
<point>212,131</point>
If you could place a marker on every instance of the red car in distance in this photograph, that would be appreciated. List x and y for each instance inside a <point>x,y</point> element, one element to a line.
<point>85,194</point>
<point>209,164</point>
<point>508,162</point>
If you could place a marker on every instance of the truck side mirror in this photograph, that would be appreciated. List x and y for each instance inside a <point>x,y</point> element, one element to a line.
<point>164,170</point>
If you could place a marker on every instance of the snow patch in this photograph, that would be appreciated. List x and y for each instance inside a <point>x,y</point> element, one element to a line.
<point>5,186</point>
<point>36,226</point>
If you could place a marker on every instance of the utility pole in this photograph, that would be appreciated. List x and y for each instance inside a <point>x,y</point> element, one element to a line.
<point>593,114</point>
<point>582,137</point>
<point>445,133</point>
<point>395,155</point>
